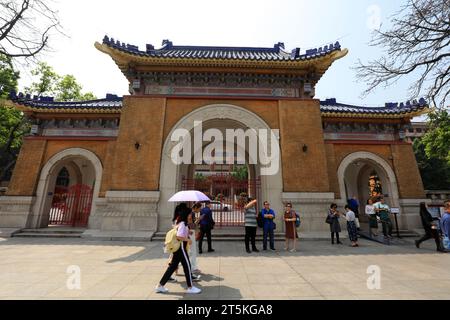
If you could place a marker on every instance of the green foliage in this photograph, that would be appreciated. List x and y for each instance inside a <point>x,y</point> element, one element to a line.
<point>63,88</point>
<point>437,138</point>
<point>47,80</point>
<point>435,172</point>
<point>8,76</point>
<point>199,176</point>
<point>240,172</point>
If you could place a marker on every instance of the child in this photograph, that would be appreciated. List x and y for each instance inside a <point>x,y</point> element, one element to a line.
<point>351,226</point>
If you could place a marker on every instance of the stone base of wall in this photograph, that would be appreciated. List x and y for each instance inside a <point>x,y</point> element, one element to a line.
<point>409,217</point>
<point>126,211</point>
<point>15,211</point>
<point>313,209</point>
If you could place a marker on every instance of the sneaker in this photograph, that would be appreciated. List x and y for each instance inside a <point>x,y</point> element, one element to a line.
<point>161,289</point>
<point>193,290</point>
<point>172,279</point>
<point>195,278</point>
<point>273,249</point>
<point>292,250</point>
<point>197,271</point>
<point>211,250</point>
<point>248,251</point>
<point>255,250</point>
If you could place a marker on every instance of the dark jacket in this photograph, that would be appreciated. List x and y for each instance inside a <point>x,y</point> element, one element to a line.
<point>207,220</point>
<point>427,219</point>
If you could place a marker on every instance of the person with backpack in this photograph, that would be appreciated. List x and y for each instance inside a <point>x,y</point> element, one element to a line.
<point>250,225</point>
<point>290,220</point>
<point>178,242</point>
<point>384,212</point>
<point>206,225</point>
<point>268,215</point>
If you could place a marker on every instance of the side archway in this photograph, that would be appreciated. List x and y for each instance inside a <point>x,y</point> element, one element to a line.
<point>47,179</point>
<point>375,161</point>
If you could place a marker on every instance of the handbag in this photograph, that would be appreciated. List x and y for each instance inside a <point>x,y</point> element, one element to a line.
<point>259,220</point>
<point>274,225</point>
<point>329,220</point>
<point>297,220</point>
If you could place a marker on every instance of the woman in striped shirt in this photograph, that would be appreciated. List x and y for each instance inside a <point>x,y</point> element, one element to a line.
<point>250,225</point>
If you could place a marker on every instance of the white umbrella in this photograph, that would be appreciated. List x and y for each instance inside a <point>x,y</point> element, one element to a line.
<point>189,195</point>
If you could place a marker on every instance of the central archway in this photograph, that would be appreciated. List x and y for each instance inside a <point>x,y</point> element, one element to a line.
<point>170,175</point>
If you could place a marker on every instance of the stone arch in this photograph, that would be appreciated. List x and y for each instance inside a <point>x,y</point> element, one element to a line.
<point>52,167</point>
<point>377,161</point>
<point>271,186</point>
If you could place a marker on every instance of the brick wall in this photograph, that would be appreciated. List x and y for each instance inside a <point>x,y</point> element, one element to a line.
<point>301,123</point>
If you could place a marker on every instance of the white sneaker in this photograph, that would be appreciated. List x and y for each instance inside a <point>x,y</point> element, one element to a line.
<point>194,290</point>
<point>161,289</point>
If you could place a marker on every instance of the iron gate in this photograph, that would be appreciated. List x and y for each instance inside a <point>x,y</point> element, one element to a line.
<point>227,196</point>
<point>71,206</point>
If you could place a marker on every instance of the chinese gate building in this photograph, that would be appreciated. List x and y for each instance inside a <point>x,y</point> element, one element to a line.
<point>106,164</point>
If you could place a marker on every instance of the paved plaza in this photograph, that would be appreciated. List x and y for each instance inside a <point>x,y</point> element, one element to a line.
<point>36,268</point>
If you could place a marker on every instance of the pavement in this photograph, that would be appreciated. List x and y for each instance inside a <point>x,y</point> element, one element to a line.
<point>41,268</point>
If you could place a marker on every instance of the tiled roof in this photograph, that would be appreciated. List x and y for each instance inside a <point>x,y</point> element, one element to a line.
<point>168,50</point>
<point>330,107</point>
<point>111,103</point>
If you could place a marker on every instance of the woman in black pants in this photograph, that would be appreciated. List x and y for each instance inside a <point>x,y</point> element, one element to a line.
<point>335,226</point>
<point>431,230</point>
<point>181,255</point>
<point>250,225</point>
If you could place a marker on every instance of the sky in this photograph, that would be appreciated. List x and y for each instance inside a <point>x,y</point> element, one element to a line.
<point>261,23</point>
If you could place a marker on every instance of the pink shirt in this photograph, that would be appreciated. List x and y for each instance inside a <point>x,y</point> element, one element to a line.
<point>183,230</point>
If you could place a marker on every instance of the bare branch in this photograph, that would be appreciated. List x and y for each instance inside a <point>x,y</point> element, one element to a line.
<point>418,44</point>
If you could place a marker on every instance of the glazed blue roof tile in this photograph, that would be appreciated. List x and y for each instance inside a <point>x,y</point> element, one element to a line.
<point>168,50</point>
<point>110,102</point>
<point>390,108</point>
<point>113,102</point>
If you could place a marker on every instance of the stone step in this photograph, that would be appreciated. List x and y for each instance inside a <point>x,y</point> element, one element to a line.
<point>46,235</point>
<point>55,230</point>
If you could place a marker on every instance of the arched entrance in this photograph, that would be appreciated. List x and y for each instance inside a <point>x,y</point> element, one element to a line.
<point>68,187</point>
<point>217,117</point>
<point>360,173</point>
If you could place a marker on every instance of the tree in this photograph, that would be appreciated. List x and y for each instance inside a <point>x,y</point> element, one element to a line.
<point>63,88</point>
<point>13,125</point>
<point>435,172</point>
<point>418,45</point>
<point>25,27</point>
<point>8,76</point>
<point>437,138</point>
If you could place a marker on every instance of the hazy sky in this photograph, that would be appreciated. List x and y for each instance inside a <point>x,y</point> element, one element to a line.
<point>304,24</point>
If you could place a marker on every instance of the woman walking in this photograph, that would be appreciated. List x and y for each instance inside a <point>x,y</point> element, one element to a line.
<point>335,227</point>
<point>250,225</point>
<point>351,226</point>
<point>373,218</point>
<point>193,223</point>
<point>291,235</point>
<point>430,227</point>
<point>178,256</point>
